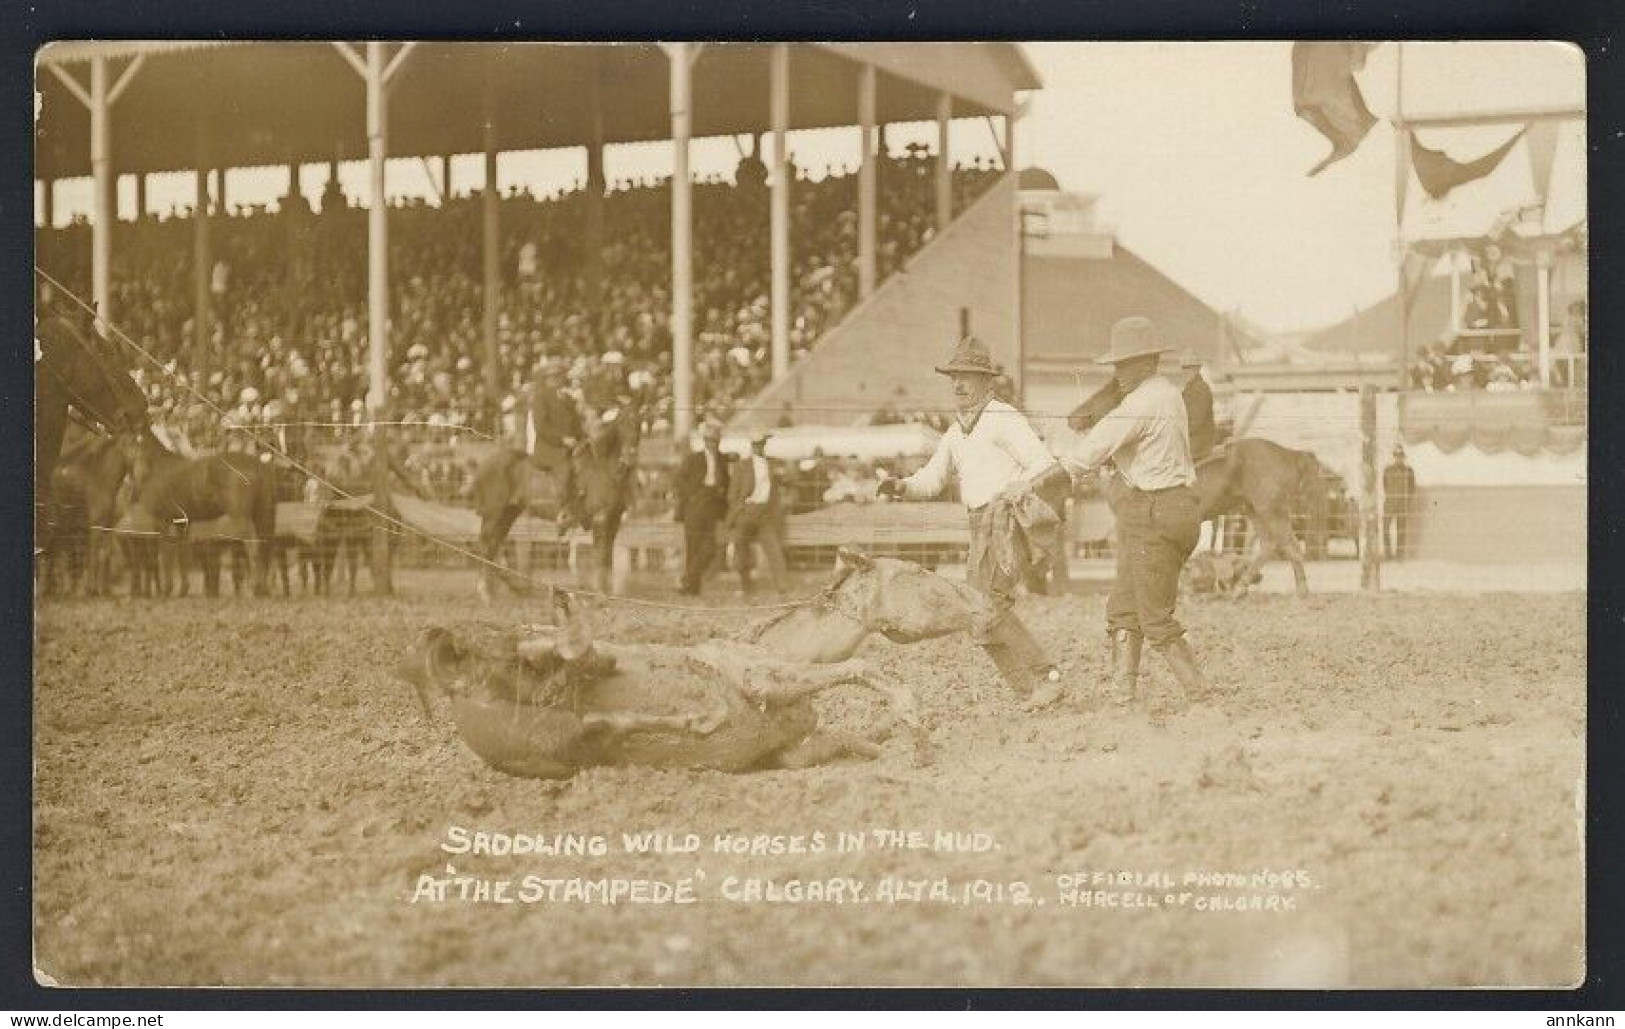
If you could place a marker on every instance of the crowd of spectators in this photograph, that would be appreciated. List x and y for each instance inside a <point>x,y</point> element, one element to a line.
<point>287,339</point>
<point>1485,351</point>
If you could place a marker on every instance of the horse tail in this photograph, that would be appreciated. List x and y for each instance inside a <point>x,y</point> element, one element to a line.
<point>1312,500</point>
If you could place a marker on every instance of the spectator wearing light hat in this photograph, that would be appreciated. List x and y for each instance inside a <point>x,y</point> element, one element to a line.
<point>1463,373</point>
<point>756,515</point>
<point>1147,440</point>
<point>992,450</point>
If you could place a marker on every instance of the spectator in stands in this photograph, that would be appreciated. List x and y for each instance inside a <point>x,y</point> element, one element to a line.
<point>1480,314</point>
<point>1569,348</point>
<point>304,280</point>
<point>756,515</point>
<point>702,503</point>
<point>1501,376</point>
<point>1463,373</point>
<point>1398,505</point>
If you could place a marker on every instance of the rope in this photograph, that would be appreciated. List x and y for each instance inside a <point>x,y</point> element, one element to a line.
<point>403,527</point>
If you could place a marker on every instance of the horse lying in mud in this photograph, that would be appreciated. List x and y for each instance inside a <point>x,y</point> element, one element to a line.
<point>1260,477</point>
<point>545,704</point>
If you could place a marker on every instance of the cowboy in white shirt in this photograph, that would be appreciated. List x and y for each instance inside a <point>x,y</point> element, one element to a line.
<point>1147,440</point>
<point>990,450</point>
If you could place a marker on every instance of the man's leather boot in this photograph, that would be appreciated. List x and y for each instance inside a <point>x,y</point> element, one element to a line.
<point>1126,650</point>
<point>1183,662</point>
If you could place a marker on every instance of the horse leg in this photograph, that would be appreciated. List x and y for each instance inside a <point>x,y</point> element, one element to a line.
<point>280,553</point>
<point>494,530</point>
<point>1275,533</point>
<point>183,567</point>
<point>210,558</point>
<point>162,572</point>
<point>604,530</point>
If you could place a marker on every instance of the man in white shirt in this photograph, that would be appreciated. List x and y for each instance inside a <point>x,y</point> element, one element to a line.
<point>1152,492</point>
<point>756,515</point>
<point>990,449</point>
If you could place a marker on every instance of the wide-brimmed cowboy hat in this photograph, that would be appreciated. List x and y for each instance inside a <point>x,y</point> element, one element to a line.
<point>970,357</point>
<point>1133,337</point>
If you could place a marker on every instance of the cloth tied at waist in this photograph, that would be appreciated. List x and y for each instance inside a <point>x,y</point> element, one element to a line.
<point>1021,537</point>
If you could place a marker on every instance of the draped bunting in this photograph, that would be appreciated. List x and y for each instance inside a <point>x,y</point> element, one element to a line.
<point>1326,95</point>
<point>1439,173</point>
<point>1528,440</point>
<point>1541,141</point>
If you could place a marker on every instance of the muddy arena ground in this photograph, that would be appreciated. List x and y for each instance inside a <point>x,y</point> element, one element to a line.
<point>241,792</point>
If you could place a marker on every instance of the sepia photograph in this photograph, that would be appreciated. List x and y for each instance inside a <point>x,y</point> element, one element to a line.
<point>821,514</point>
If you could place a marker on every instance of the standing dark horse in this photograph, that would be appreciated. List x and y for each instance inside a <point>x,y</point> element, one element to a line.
<point>93,470</point>
<point>1257,476</point>
<point>171,490</point>
<point>506,485</point>
<point>75,368</point>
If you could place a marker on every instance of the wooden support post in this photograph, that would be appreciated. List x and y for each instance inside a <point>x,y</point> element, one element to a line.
<point>680,56</point>
<point>944,170</point>
<point>491,279</point>
<point>1370,519</point>
<point>596,183</point>
<point>378,309</point>
<point>867,200</point>
<point>779,216</point>
<point>201,267</point>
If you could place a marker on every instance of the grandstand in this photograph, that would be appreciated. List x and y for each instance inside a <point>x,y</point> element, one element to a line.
<point>457,299</point>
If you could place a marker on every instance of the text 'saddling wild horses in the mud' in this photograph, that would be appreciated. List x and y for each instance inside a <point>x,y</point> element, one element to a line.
<point>549,702</point>
<point>1260,477</point>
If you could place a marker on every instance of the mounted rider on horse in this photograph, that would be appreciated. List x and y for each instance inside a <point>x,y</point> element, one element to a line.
<point>560,426</point>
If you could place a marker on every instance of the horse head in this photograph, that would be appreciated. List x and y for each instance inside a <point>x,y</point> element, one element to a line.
<point>605,465</point>
<point>91,375</point>
<point>901,600</point>
<point>1087,414</point>
<point>142,452</point>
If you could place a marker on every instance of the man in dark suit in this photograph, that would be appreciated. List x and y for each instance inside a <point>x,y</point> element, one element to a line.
<point>1198,406</point>
<point>756,515</point>
<point>1398,505</point>
<point>702,503</point>
<point>552,427</point>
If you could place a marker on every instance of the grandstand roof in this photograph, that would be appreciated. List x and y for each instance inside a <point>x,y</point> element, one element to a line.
<point>269,103</point>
